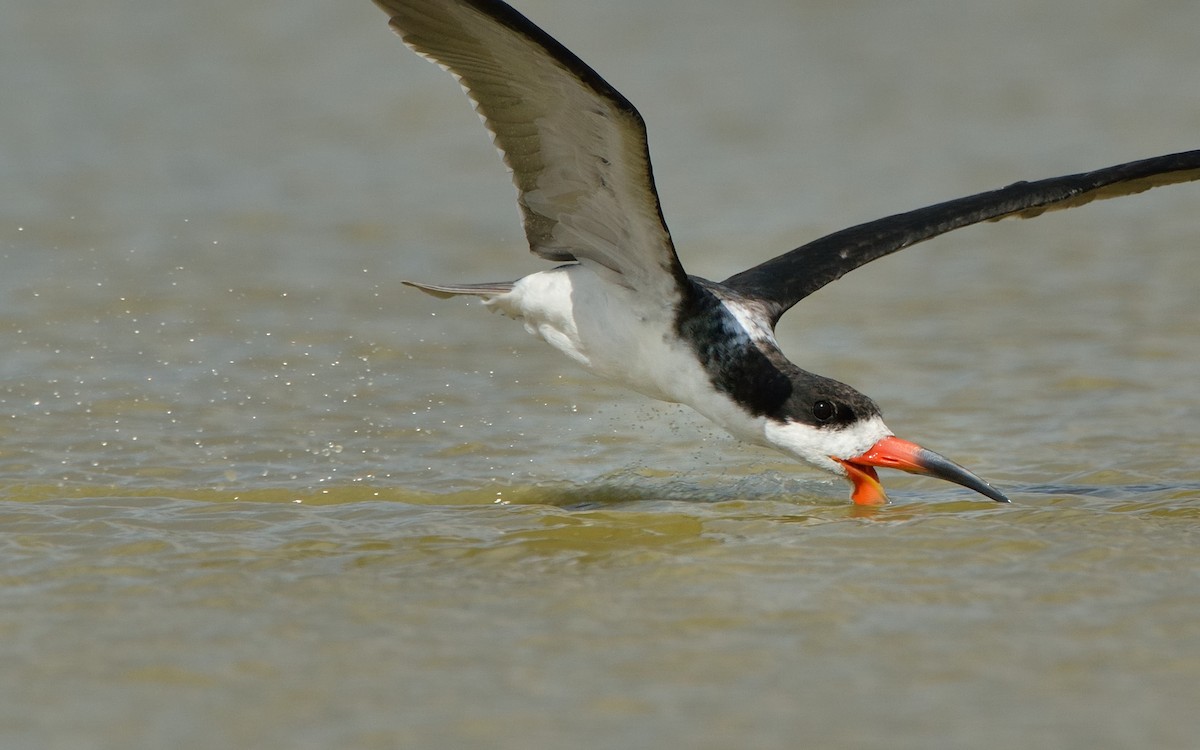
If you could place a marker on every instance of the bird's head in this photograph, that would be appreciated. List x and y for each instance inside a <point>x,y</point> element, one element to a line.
<point>832,426</point>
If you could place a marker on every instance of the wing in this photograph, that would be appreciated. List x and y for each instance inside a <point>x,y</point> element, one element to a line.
<point>783,281</point>
<point>576,147</point>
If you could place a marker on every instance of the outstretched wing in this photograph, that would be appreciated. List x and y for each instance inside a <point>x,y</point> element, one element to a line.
<point>576,147</point>
<point>783,281</point>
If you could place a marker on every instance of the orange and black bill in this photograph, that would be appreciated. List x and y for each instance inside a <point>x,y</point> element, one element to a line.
<point>894,453</point>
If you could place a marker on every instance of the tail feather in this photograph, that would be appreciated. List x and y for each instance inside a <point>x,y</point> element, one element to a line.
<point>445,291</point>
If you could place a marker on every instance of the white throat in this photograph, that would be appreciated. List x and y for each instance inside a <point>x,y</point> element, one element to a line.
<point>816,445</point>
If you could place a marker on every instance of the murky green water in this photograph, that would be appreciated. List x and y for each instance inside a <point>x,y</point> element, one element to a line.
<point>253,493</point>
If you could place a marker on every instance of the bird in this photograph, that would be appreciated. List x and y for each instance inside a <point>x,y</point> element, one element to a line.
<point>619,302</point>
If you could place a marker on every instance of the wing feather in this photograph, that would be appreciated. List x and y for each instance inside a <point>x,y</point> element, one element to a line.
<point>576,147</point>
<point>785,280</point>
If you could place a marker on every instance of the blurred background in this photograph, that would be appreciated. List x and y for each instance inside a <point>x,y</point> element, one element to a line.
<point>255,493</point>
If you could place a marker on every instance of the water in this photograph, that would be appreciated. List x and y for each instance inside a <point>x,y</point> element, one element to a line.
<point>257,494</point>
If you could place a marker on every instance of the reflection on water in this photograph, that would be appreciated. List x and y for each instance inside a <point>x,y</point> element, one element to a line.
<point>257,494</point>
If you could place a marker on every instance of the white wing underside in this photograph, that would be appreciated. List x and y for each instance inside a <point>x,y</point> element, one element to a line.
<point>576,148</point>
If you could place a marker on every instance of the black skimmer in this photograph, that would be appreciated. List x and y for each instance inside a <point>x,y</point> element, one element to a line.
<point>621,304</point>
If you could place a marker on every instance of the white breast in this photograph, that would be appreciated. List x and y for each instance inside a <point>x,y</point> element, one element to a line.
<point>624,337</point>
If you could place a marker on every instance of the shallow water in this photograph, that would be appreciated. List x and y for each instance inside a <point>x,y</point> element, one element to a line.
<point>254,493</point>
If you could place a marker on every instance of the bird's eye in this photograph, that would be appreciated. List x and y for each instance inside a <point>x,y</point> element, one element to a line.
<point>824,410</point>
